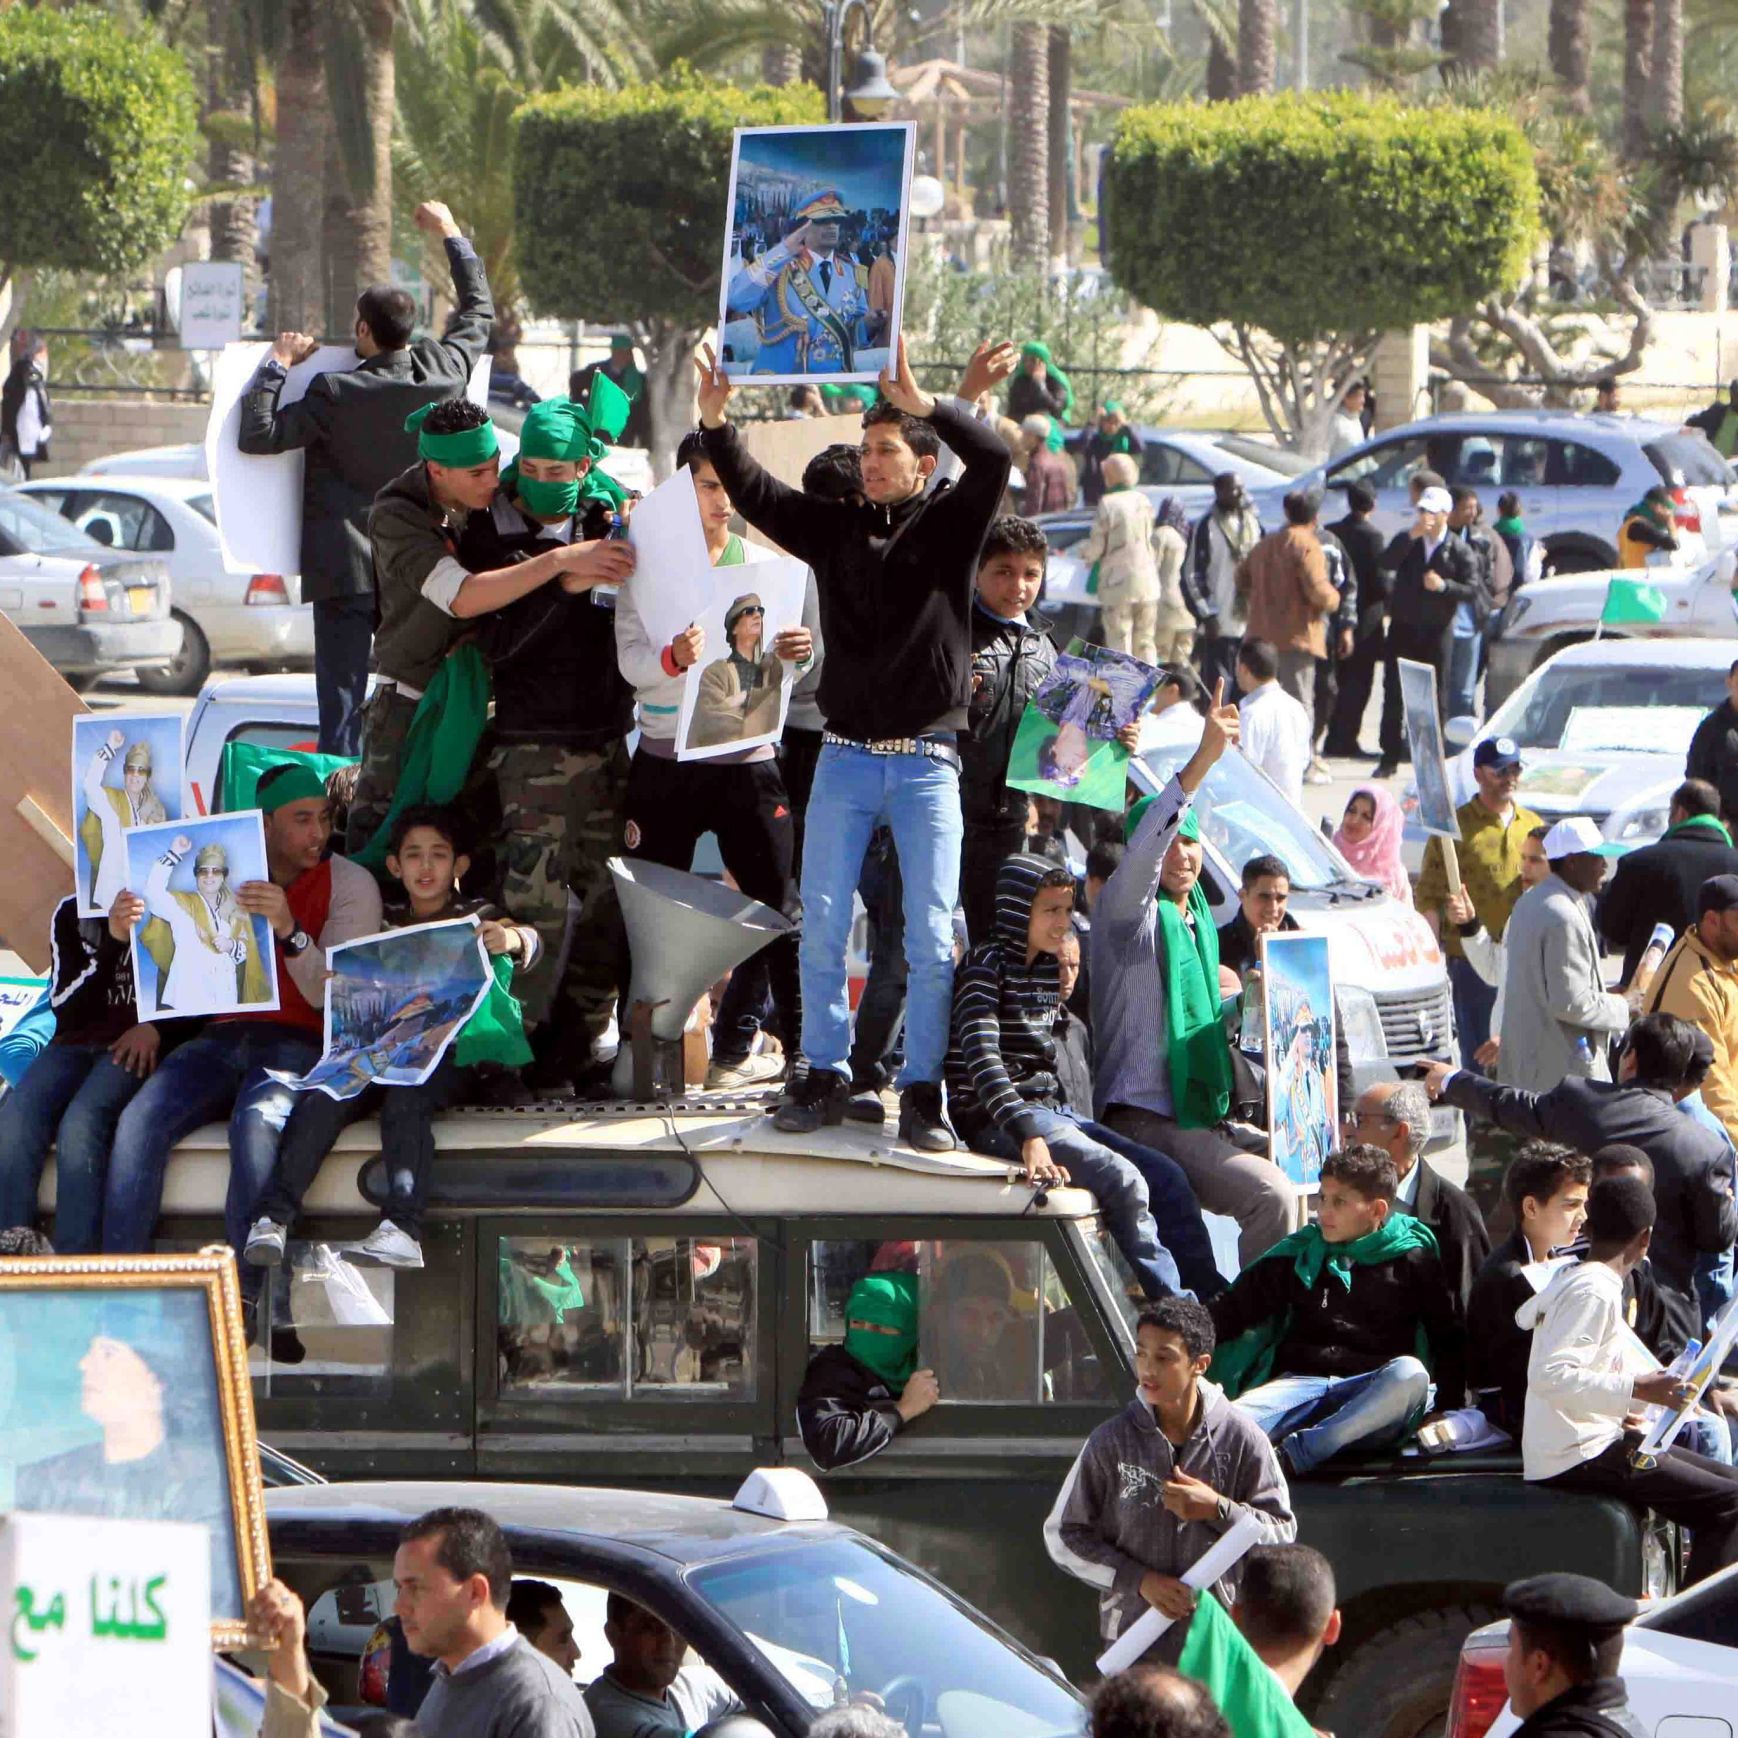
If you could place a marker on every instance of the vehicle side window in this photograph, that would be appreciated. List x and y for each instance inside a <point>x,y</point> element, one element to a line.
<point>995,1322</point>
<point>55,498</point>
<point>1477,463</point>
<point>1524,461</point>
<point>1161,465</point>
<point>1388,466</point>
<point>620,1317</point>
<point>1191,471</point>
<point>342,1313</point>
<point>125,522</point>
<point>1574,466</point>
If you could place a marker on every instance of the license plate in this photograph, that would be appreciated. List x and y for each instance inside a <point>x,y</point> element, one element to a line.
<point>142,599</point>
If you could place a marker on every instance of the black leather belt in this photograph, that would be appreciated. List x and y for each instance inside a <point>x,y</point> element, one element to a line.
<point>940,748</point>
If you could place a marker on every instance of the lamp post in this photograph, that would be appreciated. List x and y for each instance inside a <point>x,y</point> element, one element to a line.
<point>870,95</point>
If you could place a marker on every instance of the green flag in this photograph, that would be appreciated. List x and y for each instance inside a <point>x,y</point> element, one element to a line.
<point>1250,1697</point>
<point>1629,601</point>
<point>607,406</point>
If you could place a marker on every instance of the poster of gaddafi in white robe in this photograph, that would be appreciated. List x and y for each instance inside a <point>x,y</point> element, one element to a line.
<point>196,951</point>
<point>126,772</point>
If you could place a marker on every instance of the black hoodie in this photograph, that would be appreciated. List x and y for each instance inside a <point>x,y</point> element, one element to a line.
<point>895,582</point>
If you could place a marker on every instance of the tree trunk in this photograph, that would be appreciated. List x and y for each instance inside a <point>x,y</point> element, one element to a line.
<point>1061,141</point>
<point>1638,67</point>
<point>1028,143</point>
<point>297,302</point>
<point>1570,52</point>
<point>1477,38</point>
<point>1257,47</point>
<point>14,304</point>
<point>234,231</point>
<point>669,349</point>
<point>1221,70</point>
<point>372,208</point>
<point>1666,108</point>
<point>781,63</point>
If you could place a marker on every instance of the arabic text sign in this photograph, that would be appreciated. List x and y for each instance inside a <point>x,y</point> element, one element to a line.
<point>213,303</point>
<point>102,1616</point>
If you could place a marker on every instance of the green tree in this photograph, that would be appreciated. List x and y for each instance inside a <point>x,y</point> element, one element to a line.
<point>624,190</point>
<point>98,130</point>
<point>1374,216</point>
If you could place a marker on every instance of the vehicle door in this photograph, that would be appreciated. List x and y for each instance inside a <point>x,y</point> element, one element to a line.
<point>1029,1332</point>
<point>1387,467</point>
<point>1584,486</point>
<point>37,590</point>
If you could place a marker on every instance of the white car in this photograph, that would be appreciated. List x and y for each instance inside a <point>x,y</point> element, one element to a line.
<point>228,615</point>
<point>1680,1666</point>
<point>1603,728</point>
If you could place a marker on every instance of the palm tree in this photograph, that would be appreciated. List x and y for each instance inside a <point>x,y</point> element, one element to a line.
<point>1666,107</point>
<point>1060,141</point>
<point>1569,46</point>
<point>297,298</point>
<point>231,133</point>
<point>1257,47</point>
<point>1638,66</point>
<point>1480,41</point>
<point>1028,142</point>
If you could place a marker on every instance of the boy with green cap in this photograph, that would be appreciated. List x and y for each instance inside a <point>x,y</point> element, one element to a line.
<point>562,709</point>
<point>857,1397</point>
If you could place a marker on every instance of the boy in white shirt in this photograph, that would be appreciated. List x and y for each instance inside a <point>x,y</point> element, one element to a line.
<point>1276,728</point>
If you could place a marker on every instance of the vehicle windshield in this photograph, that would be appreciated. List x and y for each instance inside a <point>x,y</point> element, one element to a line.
<point>1690,460</point>
<point>837,1619</point>
<point>1707,1612</point>
<point>39,529</point>
<point>1244,816</point>
<point>1270,458</point>
<point>1111,1275</point>
<point>1584,708</point>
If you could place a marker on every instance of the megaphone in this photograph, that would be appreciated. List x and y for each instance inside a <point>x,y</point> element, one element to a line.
<point>684,932</point>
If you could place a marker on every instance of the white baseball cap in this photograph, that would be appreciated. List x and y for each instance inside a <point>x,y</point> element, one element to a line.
<point>1435,500</point>
<point>1577,836</point>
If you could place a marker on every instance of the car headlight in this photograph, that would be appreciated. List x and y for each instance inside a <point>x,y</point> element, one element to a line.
<point>1645,824</point>
<point>1361,1023</point>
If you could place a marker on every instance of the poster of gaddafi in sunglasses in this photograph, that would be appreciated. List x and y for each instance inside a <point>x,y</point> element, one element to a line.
<point>744,654</point>
<point>126,772</point>
<point>197,949</point>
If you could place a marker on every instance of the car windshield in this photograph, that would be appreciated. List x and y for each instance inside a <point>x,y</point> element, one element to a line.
<point>838,1619</point>
<point>39,529</point>
<point>1582,708</point>
<point>1708,1612</point>
<point>1244,816</point>
<point>1061,537</point>
<point>1254,452</point>
<point>1690,460</point>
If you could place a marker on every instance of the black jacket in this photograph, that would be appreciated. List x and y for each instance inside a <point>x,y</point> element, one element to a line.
<point>552,653</point>
<point>1029,397</point>
<point>1336,1330</point>
<point>1363,545</point>
<point>351,428</point>
<point>1096,450</point>
<point>895,583</point>
<point>1461,1237</point>
<point>1714,754</point>
<point>1073,1061</point>
<point>25,378</point>
<point>90,984</point>
<point>844,1410</point>
<point>1008,665</point>
<point>1599,1709</point>
<point>1659,884</point>
<point>1415,610</point>
<point>1696,1215</point>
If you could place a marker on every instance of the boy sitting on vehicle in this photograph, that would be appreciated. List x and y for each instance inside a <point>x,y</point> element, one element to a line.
<point>1330,1338</point>
<point>1156,1486</point>
<point>426,861</point>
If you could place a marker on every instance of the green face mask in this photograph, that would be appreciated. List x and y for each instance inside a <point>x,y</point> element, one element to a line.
<point>547,500</point>
<point>888,1300</point>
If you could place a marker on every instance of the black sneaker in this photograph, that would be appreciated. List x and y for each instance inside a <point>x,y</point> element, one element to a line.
<point>1384,769</point>
<point>865,1106</point>
<point>817,1100</point>
<point>922,1122</point>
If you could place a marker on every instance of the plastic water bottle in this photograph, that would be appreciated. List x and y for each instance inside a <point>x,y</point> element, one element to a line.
<point>1584,1055</point>
<point>1252,1038</point>
<point>604,596</point>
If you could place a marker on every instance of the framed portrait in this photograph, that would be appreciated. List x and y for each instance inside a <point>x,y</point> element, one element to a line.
<point>1303,1094</point>
<point>124,1394</point>
<point>196,951</point>
<point>126,772</point>
<point>1066,745</point>
<point>1424,734</point>
<point>737,695</point>
<point>814,252</point>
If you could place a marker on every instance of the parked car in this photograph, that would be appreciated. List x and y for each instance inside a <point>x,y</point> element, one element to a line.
<point>228,615</point>
<point>1544,617</point>
<point>1679,1664</point>
<point>1576,477</point>
<point>86,608</point>
<point>1604,728</point>
<point>182,459</point>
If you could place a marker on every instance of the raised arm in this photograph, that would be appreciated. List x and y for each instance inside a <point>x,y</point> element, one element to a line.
<point>473,316</point>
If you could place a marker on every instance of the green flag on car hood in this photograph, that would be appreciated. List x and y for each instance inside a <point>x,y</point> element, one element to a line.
<point>1632,600</point>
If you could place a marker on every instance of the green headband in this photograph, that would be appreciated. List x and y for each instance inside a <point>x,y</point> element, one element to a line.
<point>460,451</point>
<point>295,784</point>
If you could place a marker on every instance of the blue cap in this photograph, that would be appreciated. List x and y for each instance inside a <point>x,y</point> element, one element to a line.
<point>1497,751</point>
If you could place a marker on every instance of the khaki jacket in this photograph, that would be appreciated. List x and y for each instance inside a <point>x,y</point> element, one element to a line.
<point>1285,579</point>
<point>1697,987</point>
<point>1121,542</point>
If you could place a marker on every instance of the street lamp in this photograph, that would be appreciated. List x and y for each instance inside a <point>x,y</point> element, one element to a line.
<point>870,95</point>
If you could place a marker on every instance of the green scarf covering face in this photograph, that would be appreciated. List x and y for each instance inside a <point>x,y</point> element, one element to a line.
<point>1035,347</point>
<point>889,1300</point>
<point>1707,824</point>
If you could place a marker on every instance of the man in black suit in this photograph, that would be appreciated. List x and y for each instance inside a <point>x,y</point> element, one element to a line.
<point>1660,883</point>
<point>350,426</point>
<point>1395,1116</point>
<point>1363,545</point>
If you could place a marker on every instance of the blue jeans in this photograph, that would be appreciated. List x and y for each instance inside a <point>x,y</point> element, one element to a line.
<point>1463,677</point>
<point>1313,1418</point>
<point>220,1073</point>
<point>1474,1003</point>
<point>919,799</point>
<point>71,1097</point>
<point>1115,1184</point>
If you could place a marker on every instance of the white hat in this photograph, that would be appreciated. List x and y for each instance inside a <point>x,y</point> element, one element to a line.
<point>1577,836</point>
<point>1435,500</point>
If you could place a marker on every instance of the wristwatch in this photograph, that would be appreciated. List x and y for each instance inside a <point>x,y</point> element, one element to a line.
<point>297,942</point>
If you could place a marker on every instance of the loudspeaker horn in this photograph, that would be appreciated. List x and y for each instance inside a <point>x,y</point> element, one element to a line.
<point>685,933</point>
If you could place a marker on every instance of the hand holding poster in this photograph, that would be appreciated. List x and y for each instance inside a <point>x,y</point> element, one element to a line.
<point>126,772</point>
<point>1303,1111</point>
<point>1066,746</point>
<point>736,693</point>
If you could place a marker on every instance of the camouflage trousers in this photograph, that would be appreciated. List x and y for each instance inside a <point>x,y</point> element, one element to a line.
<point>385,726</point>
<point>561,811</point>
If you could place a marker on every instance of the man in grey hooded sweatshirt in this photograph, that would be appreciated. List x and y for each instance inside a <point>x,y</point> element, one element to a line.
<point>1156,1486</point>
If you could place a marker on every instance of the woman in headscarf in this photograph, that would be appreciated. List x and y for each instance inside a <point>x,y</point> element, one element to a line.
<point>1040,388</point>
<point>857,1397</point>
<point>1174,631</point>
<point>108,811</point>
<point>1368,838</point>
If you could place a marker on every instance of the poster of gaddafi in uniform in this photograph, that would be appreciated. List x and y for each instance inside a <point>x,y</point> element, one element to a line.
<point>126,772</point>
<point>196,951</point>
<point>814,257</point>
<point>736,694</point>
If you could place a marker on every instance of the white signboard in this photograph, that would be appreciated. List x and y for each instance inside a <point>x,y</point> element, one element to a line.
<point>213,301</point>
<point>103,1616</point>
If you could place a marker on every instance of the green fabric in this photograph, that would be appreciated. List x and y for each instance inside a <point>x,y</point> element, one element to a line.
<point>297,784</point>
<point>1700,824</point>
<point>1190,828</point>
<point>1247,1361</point>
<point>890,1301</point>
<point>608,406</point>
<point>598,485</point>
<point>470,446</point>
<point>1250,1697</point>
<point>496,1032</point>
<point>556,428</point>
<point>532,1299</point>
<point>243,762</point>
<point>1511,527</point>
<point>1200,1062</point>
<point>1631,601</point>
<point>545,500</point>
<point>734,554</point>
<point>444,732</point>
<point>1726,435</point>
<point>1035,347</point>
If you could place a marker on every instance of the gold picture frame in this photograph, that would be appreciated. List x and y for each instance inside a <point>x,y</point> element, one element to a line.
<point>130,1389</point>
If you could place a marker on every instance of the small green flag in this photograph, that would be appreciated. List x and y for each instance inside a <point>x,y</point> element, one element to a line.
<point>607,406</point>
<point>1632,600</point>
<point>1250,1697</point>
